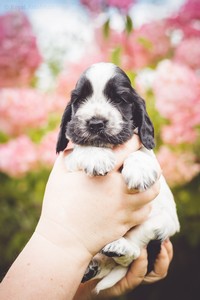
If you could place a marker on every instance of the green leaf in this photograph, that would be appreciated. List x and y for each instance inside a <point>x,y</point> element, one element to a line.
<point>131,75</point>
<point>106,29</point>
<point>145,42</point>
<point>116,55</point>
<point>129,24</point>
<point>3,137</point>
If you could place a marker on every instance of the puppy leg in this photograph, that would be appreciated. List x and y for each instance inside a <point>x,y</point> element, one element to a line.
<point>99,267</point>
<point>141,170</point>
<point>158,227</point>
<point>92,270</point>
<point>122,251</point>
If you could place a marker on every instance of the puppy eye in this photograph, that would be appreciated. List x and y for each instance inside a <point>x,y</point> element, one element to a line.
<point>119,100</point>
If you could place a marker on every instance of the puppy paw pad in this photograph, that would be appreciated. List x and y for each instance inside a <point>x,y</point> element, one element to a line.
<point>92,270</point>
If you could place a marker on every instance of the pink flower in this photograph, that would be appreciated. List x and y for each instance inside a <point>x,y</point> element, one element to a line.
<point>177,92</point>
<point>67,79</point>
<point>97,6</point>
<point>21,109</point>
<point>188,52</point>
<point>144,46</point>
<point>18,156</point>
<point>148,44</point>
<point>123,5</point>
<point>178,168</point>
<point>56,102</point>
<point>47,148</point>
<point>187,19</point>
<point>19,54</point>
<point>178,134</point>
<point>93,5</point>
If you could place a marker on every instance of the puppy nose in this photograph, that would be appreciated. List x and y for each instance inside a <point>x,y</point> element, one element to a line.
<point>96,124</point>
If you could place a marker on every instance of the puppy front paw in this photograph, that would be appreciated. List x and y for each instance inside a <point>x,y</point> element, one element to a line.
<point>140,171</point>
<point>95,161</point>
<point>98,162</point>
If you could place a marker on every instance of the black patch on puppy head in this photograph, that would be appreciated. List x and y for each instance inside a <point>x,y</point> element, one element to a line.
<point>62,140</point>
<point>82,90</point>
<point>132,107</point>
<point>143,122</point>
<point>118,92</point>
<point>118,86</point>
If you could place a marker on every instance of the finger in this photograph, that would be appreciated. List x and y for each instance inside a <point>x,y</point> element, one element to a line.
<point>133,278</point>
<point>122,151</point>
<point>63,154</point>
<point>160,268</point>
<point>59,163</point>
<point>169,247</point>
<point>137,271</point>
<point>139,199</point>
<point>141,215</point>
<point>59,166</point>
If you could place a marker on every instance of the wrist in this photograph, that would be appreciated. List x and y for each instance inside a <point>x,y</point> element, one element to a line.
<point>48,264</point>
<point>63,239</point>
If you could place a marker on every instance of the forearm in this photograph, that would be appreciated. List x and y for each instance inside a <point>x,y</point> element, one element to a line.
<point>45,270</point>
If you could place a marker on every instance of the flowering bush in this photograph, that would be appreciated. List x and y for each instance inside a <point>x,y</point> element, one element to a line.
<point>99,5</point>
<point>188,51</point>
<point>18,156</point>
<point>182,167</point>
<point>67,79</point>
<point>46,149</point>
<point>178,101</point>
<point>187,19</point>
<point>22,109</point>
<point>172,94</point>
<point>142,47</point>
<point>19,54</point>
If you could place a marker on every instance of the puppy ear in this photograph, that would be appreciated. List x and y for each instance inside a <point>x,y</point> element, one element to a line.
<point>143,122</point>
<point>62,140</point>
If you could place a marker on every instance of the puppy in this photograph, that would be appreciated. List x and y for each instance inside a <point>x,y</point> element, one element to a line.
<point>106,111</point>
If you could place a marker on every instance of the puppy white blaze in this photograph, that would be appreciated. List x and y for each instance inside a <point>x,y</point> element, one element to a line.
<point>97,105</point>
<point>99,74</point>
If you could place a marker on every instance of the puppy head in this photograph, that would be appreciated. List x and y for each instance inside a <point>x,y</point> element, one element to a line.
<point>104,110</point>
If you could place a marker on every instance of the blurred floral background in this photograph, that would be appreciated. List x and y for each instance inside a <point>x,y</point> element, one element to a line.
<point>44,46</point>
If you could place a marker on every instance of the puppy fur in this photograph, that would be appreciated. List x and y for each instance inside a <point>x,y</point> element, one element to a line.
<point>105,111</point>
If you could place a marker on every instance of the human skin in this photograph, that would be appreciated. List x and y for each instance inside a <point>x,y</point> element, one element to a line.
<point>135,276</point>
<point>75,223</point>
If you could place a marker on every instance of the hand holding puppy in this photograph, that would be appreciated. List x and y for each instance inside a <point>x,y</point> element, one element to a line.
<point>93,210</point>
<point>75,223</point>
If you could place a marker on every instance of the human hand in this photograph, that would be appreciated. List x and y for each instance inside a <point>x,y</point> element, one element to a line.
<point>135,276</point>
<point>78,209</point>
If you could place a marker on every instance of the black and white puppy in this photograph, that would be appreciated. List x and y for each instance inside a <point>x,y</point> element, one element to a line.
<point>106,111</point>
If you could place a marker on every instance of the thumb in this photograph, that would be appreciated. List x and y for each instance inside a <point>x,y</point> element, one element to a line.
<point>122,151</point>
